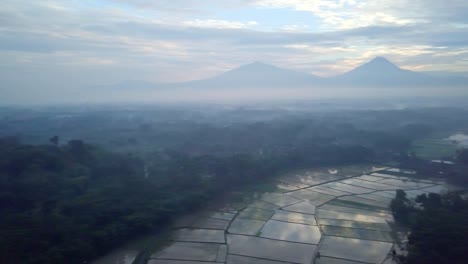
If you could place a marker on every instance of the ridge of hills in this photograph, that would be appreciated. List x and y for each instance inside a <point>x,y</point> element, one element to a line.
<point>379,72</point>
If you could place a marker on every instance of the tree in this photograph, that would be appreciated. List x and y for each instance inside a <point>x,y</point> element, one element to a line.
<point>54,140</point>
<point>400,207</point>
<point>462,156</point>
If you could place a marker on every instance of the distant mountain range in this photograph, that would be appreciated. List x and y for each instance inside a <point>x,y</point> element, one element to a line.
<point>378,72</point>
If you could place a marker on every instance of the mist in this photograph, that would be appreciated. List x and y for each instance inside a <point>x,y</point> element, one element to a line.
<point>233,132</point>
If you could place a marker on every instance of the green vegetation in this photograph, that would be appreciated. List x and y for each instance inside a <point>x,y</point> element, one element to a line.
<point>356,205</point>
<point>454,173</point>
<point>433,148</point>
<point>71,203</point>
<point>438,227</point>
<point>462,157</point>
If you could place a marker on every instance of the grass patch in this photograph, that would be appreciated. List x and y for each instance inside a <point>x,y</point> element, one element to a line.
<point>433,148</point>
<point>358,205</point>
<point>262,187</point>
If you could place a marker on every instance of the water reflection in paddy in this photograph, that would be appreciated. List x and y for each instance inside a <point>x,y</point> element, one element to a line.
<point>350,216</point>
<point>374,197</point>
<point>263,205</point>
<point>460,138</point>
<point>302,207</point>
<point>347,188</point>
<point>210,223</point>
<point>328,191</point>
<point>332,207</point>
<point>245,227</point>
<point>370,178</point>
<point>236,259</point>
<point>367,234</point>
<point>354,224</point>
<point>189,251</point>
<point>291,232</point>
<point>256,214</point>
<point>279,199</point>
<point>327,260</point>
<point>270,249</point>
<point>364,201</point>
<point>312,197</point>
<point>370,185</point>
<point>281,226</point>
<point>386,194</point>
<point>355,249</point>
<point>294,217</point>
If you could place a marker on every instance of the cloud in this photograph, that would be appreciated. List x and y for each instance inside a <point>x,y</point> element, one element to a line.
<point>106,41</point>
<point>219,24</point>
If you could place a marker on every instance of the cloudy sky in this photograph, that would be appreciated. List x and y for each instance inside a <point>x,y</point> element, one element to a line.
<point>50,43</point>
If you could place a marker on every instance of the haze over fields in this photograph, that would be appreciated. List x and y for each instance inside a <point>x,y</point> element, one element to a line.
<point>112,50</point>
<point>233,131</point>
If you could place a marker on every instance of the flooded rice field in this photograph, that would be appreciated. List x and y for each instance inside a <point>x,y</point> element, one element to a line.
<point>332,215</point>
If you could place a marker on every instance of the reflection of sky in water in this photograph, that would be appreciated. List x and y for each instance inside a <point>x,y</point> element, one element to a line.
<point>442,188</point>
<point>376,198</point>
<point>378,168</point>
<point>370,185</point>
<point>294,217</point>
<point>245,227</point>
<point>386,176</point>
<point>329,191</point>
<point>405,184</point>
<point>365,201</point>
<point>355,249</point>
<point>256,214</point>
<point>460,138</point>
<point>370,178</point>
<point>354,224</point>
<point>313,197</point>
<point>270,249</point>
<point>263,205</point>
<point>279,199</point>
<point>287,187</point>
<point>387,194</point>
<point>350,216</point>
<point>355,210</point>
<point>302,207</point>
<point>400,170</point>
<point>359,233</point>
<point>347,188</point>
<point>291,232</point>
<point>200,235</point>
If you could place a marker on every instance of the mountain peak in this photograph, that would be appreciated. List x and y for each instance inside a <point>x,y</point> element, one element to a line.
<point>259,74</point>
<point>380,59</point>
<point>257,65</point>
<point>381,72</point>
<point>381,62</point>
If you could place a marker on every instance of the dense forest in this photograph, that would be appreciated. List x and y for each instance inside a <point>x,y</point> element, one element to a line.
<point>224,131</point>
<point>438,227</point>
<point>70,203</point>
<point>455,172</point>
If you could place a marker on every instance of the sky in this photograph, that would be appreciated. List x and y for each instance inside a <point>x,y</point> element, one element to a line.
<point>51,44</point>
